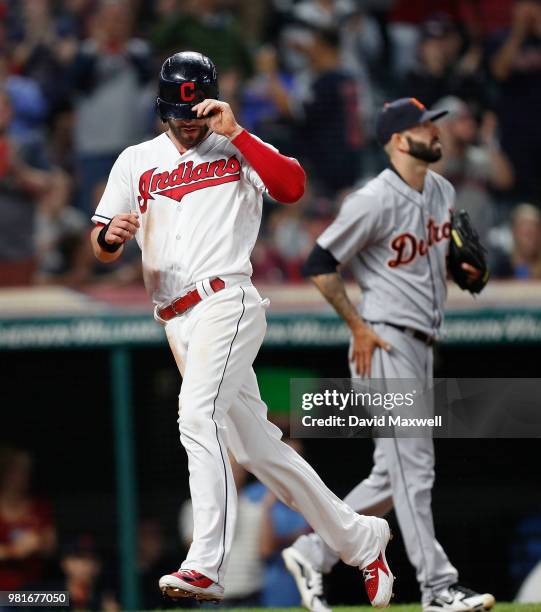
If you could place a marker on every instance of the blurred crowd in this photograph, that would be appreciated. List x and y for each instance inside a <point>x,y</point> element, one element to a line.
<point>78,83</point>
<point>33,556</point>
<point>30,557</point>
<point>38,552</point>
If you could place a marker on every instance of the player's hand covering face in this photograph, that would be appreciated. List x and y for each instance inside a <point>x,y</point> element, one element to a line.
<point>220,117</point>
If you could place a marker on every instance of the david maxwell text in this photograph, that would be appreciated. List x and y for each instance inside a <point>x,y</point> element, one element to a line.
<point>386,420</point>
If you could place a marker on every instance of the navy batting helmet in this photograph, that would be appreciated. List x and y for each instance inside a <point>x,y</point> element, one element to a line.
<point>186,79</point>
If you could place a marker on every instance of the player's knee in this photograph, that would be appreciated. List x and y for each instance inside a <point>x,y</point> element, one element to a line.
<point>259,458</point>
<point>191,421</point>
<point>421,488</point>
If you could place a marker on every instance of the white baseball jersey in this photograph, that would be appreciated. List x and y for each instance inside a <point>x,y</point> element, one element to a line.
<point>397,240</point>
<point>199,212</point>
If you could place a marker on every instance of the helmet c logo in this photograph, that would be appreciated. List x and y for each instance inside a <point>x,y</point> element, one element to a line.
<point>187,92</point>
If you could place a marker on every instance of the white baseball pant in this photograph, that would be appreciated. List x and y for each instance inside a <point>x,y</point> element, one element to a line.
<point>215,344</point>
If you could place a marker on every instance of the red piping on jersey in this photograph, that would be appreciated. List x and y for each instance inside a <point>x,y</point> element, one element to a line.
<point>282,176</point>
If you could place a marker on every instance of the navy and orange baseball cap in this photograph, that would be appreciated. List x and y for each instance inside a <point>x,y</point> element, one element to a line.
<point>401,115</point>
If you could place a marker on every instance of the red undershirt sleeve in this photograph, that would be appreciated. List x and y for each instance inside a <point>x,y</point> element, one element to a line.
<point>283,176</point>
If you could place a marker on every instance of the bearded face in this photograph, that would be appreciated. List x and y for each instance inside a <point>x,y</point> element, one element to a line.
<point>427,150</point>
<point>188,132</point>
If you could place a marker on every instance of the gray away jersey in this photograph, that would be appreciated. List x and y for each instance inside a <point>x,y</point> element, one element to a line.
<point>397,240</point>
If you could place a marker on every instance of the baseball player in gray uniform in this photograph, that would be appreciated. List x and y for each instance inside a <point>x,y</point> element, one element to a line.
<point>395,232</point>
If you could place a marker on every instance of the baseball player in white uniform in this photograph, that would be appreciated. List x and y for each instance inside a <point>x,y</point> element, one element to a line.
<point>192,198</point>
<point>395,232</point>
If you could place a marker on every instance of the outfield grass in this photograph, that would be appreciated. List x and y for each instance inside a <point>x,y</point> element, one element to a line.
<point>500,607</point>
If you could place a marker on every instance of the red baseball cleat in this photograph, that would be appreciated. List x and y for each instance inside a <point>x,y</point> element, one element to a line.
<point>378,579</point>
<point>192,584</point>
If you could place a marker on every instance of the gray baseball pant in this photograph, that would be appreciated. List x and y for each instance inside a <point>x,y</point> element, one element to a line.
<point>402,476</point>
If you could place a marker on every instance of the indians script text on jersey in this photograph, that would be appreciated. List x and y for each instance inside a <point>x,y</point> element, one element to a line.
<point>198,214</point>
<point>397,240</point>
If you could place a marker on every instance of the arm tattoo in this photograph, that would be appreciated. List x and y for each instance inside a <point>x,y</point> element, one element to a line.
<point>334,291</point>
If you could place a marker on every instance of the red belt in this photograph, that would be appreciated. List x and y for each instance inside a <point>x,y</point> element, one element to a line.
<point>181,304</point>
